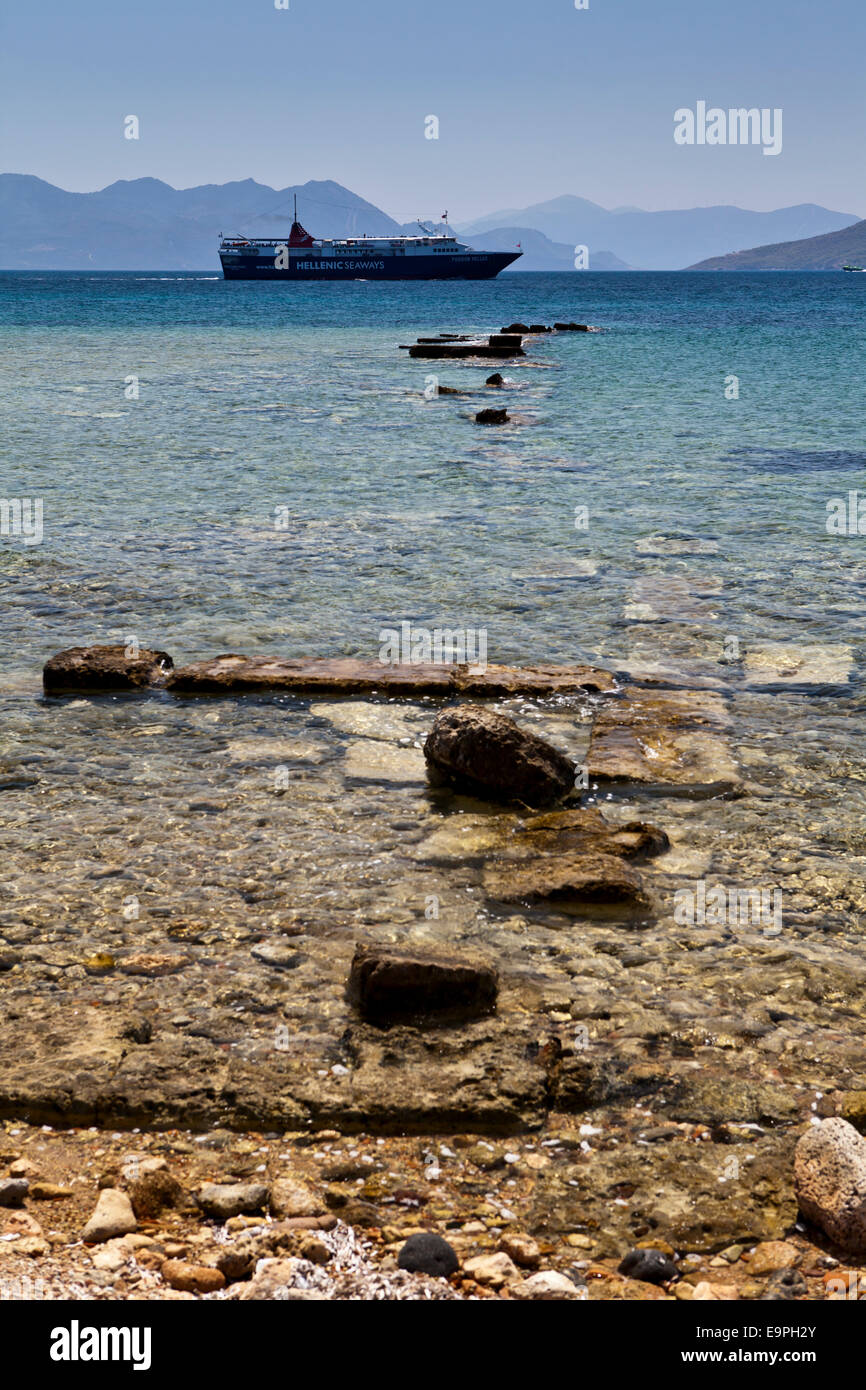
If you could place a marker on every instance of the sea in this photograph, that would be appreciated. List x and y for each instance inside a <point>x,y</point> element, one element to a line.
<point>235,467</point>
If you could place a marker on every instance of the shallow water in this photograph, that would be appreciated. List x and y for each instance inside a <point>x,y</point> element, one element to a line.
<point>706,543</point>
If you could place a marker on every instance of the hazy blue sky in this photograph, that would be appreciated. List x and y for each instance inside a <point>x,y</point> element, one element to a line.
<point>534,98</point>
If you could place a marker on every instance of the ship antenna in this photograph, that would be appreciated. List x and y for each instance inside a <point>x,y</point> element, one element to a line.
<point>296,207</point>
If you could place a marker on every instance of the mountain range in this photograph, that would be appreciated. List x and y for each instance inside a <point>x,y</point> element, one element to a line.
<point>145,224</point>
<point>662,240</point>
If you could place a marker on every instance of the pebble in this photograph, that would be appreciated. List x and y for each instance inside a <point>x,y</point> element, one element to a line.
<point>49,1192</point>
<point>113,1216</point>
<point>223,1200</point>
<point>523,1250</point>
<point>192,1278</point>
<point>547,1285</point>
<point>494,1271</point>
<point>292,1198</point>
<point>785,1286</point>
<point>773,1255</point>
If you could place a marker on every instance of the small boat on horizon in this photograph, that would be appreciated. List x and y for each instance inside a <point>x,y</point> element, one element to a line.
<point>860,268</point>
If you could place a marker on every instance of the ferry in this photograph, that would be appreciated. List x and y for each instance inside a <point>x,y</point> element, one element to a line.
<point>430,256</point>
<point>860,268</point>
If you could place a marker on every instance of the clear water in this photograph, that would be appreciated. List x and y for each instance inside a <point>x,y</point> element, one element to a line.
<point>159,521</point>
<point>159,513</point>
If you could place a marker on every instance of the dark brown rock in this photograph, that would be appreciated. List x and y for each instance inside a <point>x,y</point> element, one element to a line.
<point>96,670</point>
<point>387,983</point>
<point>538,328</point>
<point>488,755</point>
<point>492,416</point>
<point>497,379</point>
<point>572,328</point>
<point>516,328</point>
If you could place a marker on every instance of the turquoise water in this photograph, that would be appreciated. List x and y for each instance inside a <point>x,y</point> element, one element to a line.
<point>159,513</point>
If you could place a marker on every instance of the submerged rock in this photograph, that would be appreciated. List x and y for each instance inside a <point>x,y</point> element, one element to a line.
<point>581,878</point>
<point>479,751</point>
<point>516,328</point>
<point>492,416</point>
<point>96,670</point>
<point>585,829</point>
<point>830,1181</point>
<point>427,1253</point>
<point>779,665</point>
<point>666,741</point>
<point>231,674</point>
<point>235,674</point>
<point>494,682</point>
<point>387,983</point>
<point>497,379</point>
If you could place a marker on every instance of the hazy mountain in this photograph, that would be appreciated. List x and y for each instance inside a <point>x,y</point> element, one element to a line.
<point>148,225</point>
<point>144,224</point>
<point>539,253</point>
<point>664,240</point>
<point>831,252</point>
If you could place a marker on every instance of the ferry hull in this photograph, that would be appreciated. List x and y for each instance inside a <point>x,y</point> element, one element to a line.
<point>474,265</point>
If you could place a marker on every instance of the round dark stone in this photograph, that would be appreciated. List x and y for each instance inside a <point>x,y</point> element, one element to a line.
<point>652,1266</point>
<point>785,1284</point>
<point>428,1254</point>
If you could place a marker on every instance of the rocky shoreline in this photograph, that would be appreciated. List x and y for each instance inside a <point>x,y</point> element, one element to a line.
<point>496,1032</point>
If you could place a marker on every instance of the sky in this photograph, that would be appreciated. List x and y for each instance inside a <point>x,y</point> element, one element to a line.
<point>534,98</point>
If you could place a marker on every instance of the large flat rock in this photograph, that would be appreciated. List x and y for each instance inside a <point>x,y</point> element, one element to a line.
<point>667,741</point>
<point>488,1074</point>
<point>496,681</point>
<point>234,674</point>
